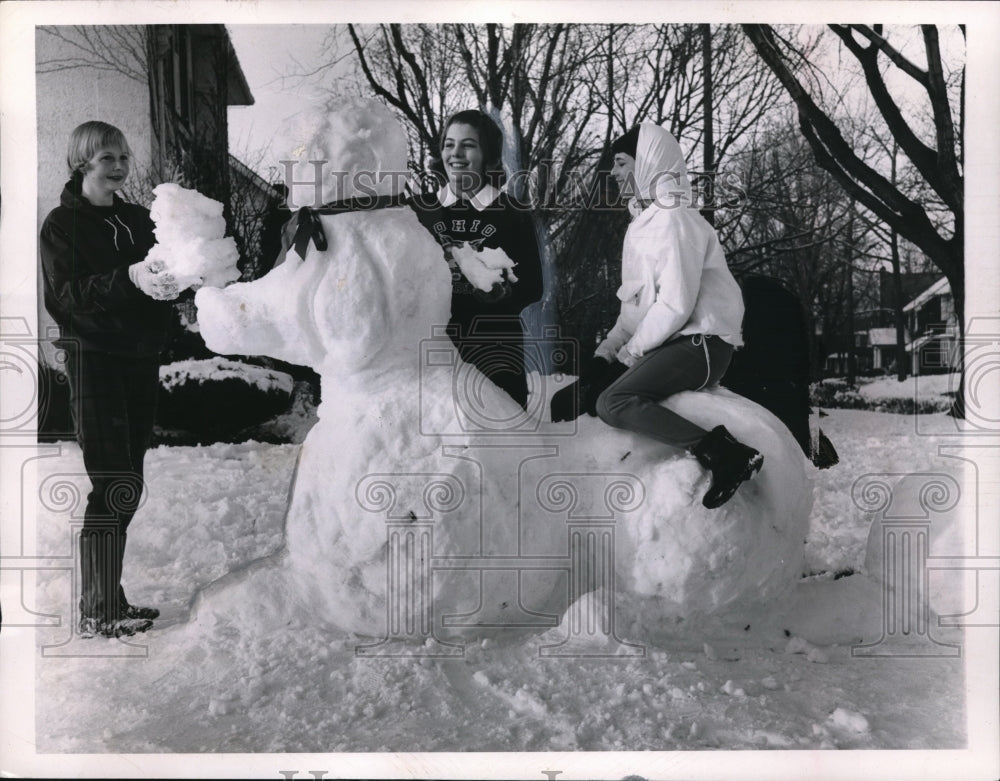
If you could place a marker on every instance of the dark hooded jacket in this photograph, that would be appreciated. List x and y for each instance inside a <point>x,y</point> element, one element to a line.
<point>86,251</point>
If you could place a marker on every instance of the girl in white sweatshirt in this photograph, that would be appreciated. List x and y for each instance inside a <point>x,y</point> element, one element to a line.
<point>681,313</point>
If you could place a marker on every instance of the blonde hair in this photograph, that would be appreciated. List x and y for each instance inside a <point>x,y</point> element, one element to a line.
<point>87,139</point>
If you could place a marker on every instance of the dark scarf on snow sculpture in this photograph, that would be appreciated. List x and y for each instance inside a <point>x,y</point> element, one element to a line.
<point>307,225</point>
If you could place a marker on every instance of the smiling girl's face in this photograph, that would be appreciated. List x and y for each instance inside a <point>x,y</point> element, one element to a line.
<point>105,173</point>
<point>463,159</point>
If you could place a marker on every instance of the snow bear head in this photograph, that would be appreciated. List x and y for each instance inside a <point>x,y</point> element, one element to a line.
<point>378,288</point>
<point>355,148</point>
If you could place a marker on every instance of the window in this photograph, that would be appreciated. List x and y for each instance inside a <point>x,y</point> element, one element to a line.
<point>181,66</point>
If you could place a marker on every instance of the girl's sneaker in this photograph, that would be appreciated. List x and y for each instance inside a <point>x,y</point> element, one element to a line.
<point>123,627</point>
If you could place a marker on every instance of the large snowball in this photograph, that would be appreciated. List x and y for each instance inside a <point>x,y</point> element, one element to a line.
<point>528,501</point>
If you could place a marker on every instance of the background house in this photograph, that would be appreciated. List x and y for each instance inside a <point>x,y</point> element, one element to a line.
<point>931,333</point>
<point>932,321</point>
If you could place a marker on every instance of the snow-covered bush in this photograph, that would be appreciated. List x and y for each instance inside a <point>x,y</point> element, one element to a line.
<point>217,399</point>
<point>837,393</point>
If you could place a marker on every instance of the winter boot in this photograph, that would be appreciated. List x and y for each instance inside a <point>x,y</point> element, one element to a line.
<point>729,461</point>
<point>98,577</point>
<point>125,608</point>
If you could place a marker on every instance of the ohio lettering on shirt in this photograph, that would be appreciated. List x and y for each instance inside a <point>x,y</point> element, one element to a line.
<point>457,231</point>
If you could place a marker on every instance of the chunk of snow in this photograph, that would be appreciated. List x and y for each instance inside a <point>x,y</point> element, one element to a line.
<point>846,719</point>
<point>484,268</point>
<point>189,233</point>
<point>354,148</point>
<point>733,690</point>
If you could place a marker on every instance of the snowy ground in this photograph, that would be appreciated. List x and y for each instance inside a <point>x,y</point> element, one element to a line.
<point>782,677</point>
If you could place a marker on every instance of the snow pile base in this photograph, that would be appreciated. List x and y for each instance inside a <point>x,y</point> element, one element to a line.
<point>424,491</point>
<point>189,234</point>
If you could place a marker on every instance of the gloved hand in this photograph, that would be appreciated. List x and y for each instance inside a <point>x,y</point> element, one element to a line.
<point>565,403</point>
<point>601,378</point>
<point>151,279</point>
<point>625,357</point>
<point>498,292</point>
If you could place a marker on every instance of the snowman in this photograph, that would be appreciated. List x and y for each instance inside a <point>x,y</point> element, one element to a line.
<point>406,495</point>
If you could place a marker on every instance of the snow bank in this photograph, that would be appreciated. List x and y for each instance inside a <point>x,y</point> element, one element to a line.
<point>218,400</point>
<point>925,387</point>
<point>410,495</point>
<point>189,235</point>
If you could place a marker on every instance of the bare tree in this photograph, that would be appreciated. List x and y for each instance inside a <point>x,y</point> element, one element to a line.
<point>117,48</point>
<point>564,92</point>
<point>938,232</point>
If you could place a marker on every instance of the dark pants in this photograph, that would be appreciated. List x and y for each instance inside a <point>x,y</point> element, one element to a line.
<point>495,347</point>
<point>686,363</point>
<point>114,406</point>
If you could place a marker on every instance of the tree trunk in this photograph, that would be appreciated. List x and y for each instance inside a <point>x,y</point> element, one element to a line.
<point>851,352</point>
<point>897,309</point>
<point>708,148</point>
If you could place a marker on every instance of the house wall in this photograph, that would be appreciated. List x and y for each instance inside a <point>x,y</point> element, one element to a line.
<point>67,98</point>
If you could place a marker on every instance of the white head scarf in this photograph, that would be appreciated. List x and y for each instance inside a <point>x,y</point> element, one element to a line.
<point>660,171</point>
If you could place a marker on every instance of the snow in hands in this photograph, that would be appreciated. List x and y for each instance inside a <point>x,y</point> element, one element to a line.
<point>189,238</point>
<point>484,268</point>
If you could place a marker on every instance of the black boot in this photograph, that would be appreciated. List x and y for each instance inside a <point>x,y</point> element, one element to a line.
<point>125,608</point>
<point>729,461</point>
<point>102,611</point>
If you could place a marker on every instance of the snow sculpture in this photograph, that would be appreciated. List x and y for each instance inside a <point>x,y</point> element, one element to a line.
<point>411,489</point>
<point>189,238</point>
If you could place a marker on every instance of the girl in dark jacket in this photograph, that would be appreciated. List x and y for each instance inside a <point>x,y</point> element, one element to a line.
<point>110,305</point>
<point>470,209</point>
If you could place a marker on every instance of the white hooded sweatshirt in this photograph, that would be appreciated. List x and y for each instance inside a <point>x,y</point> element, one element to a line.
<point>674,275</point>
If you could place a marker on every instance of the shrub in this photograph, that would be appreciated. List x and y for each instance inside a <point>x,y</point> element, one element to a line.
<point>837,394</point>
<point>216,399</point>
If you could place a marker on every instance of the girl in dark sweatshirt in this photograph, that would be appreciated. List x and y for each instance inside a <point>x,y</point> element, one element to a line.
<point>112,311</point>
<point>470,209</point>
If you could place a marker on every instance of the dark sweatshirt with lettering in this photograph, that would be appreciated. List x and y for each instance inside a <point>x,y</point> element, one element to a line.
<point>492,220</point>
